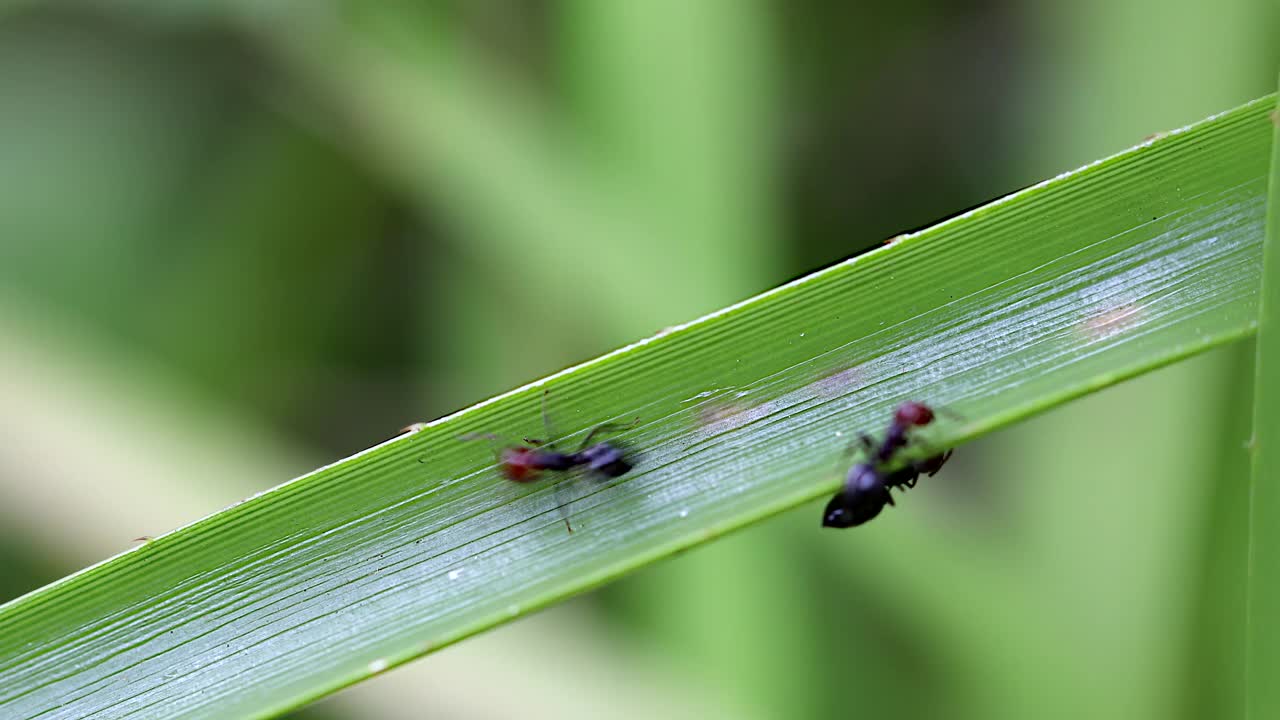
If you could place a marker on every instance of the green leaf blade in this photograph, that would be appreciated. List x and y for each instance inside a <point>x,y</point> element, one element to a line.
<point>1077,283</point>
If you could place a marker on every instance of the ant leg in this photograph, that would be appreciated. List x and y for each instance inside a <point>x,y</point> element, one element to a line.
<point>849,451</point>
<point>605,428</point>
<point>534,442</point>
<point>867,442</point>
<point>563,499</point>
<point>941,462</point>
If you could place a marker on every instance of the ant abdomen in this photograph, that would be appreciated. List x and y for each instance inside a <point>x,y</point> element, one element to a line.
<point>863,497</point>
<point>605,459</point>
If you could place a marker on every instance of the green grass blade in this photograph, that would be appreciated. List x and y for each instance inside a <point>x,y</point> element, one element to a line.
<point>1264,502</point>
<point>1222,541</point>
<point>1066,287</point>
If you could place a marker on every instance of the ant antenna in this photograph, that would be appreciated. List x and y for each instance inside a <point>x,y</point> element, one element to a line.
<point>495,440</point>
<point>944,410</point>
<point>546,422</point>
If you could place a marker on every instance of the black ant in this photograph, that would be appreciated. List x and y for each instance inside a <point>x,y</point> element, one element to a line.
<point>525,463</point>
<point>866,486</point>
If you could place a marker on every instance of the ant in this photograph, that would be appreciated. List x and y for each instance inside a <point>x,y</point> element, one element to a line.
<point>866,486</point>
<point>525,463</point>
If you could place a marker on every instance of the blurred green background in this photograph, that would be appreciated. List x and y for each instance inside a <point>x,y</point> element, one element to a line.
<point>241,240</point>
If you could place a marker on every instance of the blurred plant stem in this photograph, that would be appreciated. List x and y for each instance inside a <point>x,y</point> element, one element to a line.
<point>1264,500</point>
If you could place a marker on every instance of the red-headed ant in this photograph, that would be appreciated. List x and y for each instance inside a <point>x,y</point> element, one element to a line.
<point>525,463</point>
<point>867,484</point>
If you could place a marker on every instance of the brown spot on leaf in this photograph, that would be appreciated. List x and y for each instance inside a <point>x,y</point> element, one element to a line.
<point>1112,322</point>
<point>839,383</point>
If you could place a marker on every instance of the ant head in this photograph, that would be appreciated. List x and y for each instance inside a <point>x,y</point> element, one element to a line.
<point>913,414</point>
<point>519,464</point>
